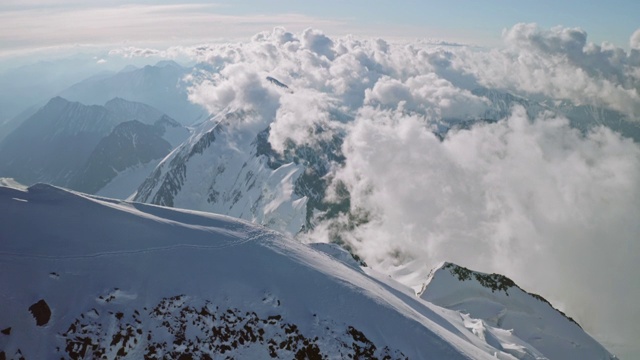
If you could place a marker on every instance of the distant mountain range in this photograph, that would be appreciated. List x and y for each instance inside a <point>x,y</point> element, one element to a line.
<point>159,86</point>
<point>81,146</point>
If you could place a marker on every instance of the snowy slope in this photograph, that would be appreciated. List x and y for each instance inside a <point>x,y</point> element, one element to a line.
<point>88,276</point>
<point>125,183</point>
<point>507,317</point>
<point>10,182</point>
<point>218,169</point>
<point>130,279</point>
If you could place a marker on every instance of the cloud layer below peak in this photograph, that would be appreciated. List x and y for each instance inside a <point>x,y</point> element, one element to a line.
<point>491,158</point>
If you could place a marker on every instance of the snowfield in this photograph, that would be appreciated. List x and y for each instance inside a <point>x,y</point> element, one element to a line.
<point>90,277</point>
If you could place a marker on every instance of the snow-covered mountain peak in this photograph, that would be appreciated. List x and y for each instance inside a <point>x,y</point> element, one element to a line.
<point>219,169</point>
<point>496,308</point>
<point>493,282</point>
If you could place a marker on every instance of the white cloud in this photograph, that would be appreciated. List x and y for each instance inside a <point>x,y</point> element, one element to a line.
<point>553,209</point>
<point>237,87</point>
<point>36,27</point>
<point>558,63</point>
<point>132,52</point>
<point>299,117</point>
<point>558,40</point>
<point>634,42</point>
<point>318,43</point>
<point>533,198</point>
<point>428,94</point>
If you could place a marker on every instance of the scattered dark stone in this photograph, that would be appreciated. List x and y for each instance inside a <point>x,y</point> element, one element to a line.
<point>41,312</point>
<point>211,334</point>
<point>121,352</point>
<point>6,331</point>
<point>311,352</point>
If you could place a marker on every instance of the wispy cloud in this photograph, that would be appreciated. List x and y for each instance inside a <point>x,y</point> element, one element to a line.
<point>29,28</point>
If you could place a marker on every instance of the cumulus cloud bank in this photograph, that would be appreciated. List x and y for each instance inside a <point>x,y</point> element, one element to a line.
<point>553,208</point>
<point>466,155</point>
<point>560,63</point>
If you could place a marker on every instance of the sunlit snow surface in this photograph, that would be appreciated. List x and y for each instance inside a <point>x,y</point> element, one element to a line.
<point>217,170</point>
<point>128,279</point>
<point>125,183</point>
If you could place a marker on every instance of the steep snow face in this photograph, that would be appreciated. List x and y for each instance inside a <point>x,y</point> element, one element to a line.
<point>125,183</point>
<point>91,277</point>
<point>499,312</point>
<point>219,169</point>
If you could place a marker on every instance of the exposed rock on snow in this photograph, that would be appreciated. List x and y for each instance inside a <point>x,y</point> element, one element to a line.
<point>168,283</point>
<point>498,311</point>
<point>40,312</point>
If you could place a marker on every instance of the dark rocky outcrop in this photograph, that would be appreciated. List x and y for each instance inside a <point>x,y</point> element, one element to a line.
<point>41,312</point>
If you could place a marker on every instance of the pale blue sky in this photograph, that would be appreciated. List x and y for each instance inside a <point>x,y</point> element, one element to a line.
<point>26,25</point>
<point>613,20</point>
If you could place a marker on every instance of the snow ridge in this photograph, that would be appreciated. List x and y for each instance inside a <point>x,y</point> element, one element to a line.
<point>501,313</point>
<point>169,283</point>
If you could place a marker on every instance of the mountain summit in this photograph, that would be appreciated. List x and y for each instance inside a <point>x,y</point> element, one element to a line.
<point>501,313</point>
